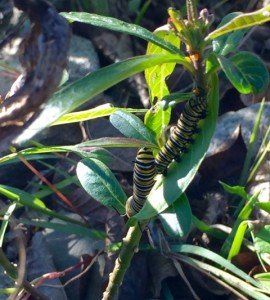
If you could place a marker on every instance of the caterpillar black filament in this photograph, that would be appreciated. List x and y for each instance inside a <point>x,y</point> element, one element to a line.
<point>181,136</point>
<point>143,180</point>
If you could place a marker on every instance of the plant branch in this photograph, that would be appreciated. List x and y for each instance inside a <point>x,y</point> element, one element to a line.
<point>130,243</point>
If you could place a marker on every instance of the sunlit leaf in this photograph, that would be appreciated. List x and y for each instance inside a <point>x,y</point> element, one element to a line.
<point>243,215</point>
<point>246,72</point>
<point>238,240</point>
<point>242,21</point>
<point>228,42</point>
<point>86,88</point>
<point>235,190</point>
<point>264,205</point>
<point>93,113</point>
<point>156,76</point>
<point>156,118</point>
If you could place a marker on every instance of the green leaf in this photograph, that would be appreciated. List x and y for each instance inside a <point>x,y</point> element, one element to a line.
<point>110,142</point>
<point>242,21</point>
<point>177,221</point>
<point>264,278</point>
<point>5,220</point>
<point>235,190</point>
<point>88,149</point>
<point>251,147</point>
<point>120,26</point>
<point>231,282</point>
<point>175,98</point>
<point>228,42</point>
<point>101,184</point>
<point>168,189</point>
<point>264,206</point>
<point>246,72</point>
<point>131,126</point>
<point>216,259</point>
<point>238,240</point>
<point>243,216</point>
<point>7,291</point>
<point>156,76</point>
<point>156,119</point>
<point>26,199</point>
<point>86,88</point>
<point>93,113</point>
<point>262,240</point>
<point>203,227</point>
<point>67,228</point>
<point>13,158</point>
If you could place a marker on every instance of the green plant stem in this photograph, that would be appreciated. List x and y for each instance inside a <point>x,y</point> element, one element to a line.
<point>9,268</point>
<point>129,245</point>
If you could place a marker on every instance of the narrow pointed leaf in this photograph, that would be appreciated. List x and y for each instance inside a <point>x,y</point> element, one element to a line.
<point>5,220</point>
<point>215,258</point>
<point>100,183</point>
<point>120,26</point>
<point>26,199</point>
<point>86,88</point>
<point>85,149</point>
<point>93,113</point>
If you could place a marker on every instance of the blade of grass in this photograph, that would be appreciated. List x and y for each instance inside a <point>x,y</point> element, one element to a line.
<point>243,216</point>
<point>251,144</point>
<point>4,224</point>
<point>250,154</point>
<point>261,157</point>
<point>234,282</point>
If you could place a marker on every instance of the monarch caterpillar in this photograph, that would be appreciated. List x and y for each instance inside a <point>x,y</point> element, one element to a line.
<point>143,180</point>
<point>181,136</point>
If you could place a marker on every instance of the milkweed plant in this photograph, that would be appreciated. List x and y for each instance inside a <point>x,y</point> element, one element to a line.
<point>190,42</point>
